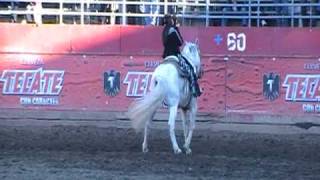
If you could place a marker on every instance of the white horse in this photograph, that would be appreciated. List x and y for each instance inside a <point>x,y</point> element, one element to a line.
<point>169,87</point>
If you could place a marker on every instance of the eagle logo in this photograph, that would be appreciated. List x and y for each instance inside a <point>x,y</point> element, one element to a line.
<point>112,83</point>
<point>271,86</point>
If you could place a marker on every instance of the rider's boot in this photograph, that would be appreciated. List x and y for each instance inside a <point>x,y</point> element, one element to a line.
<point>196,91</point>
<point>195,88</point>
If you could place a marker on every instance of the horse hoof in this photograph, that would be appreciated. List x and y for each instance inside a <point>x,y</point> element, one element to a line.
<point>145,149</point>
<point>177,151</point>
<point>188,151</point>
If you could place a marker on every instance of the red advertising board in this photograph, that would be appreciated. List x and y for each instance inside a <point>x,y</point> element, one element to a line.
<point>89,82</point>
<point>141,40</point>
<point>281,86</point>
<point>269,71</point>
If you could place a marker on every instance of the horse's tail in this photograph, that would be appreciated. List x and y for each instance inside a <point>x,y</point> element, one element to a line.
<point>144,109</point>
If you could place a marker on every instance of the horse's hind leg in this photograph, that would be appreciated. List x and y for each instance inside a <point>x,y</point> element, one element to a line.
<point>145,148</point>
<point>172,119</point>
<point>145,139</point>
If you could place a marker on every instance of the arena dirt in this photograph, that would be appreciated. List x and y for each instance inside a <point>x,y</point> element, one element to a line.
<point>88,152</point>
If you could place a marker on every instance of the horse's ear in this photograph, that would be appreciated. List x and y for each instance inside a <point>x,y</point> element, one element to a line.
<point>197,42</point>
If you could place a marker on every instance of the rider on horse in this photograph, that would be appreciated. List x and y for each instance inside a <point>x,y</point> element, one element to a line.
<point>172,40</point>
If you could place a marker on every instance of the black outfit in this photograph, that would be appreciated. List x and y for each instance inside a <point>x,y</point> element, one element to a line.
<point>172,40</point>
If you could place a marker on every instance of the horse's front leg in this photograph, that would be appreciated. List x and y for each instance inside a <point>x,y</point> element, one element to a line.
<point>185,123</point>
<point>192,119</point>
<point>145,139</point>
<point>172,119</point>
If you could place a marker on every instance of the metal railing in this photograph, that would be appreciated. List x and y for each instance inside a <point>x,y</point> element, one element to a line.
<point>292,13</point>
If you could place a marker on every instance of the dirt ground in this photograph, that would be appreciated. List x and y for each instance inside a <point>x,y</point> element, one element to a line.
<point>88,152</point>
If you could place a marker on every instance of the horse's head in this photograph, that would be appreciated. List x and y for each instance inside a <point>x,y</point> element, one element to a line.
<point>191,51</point>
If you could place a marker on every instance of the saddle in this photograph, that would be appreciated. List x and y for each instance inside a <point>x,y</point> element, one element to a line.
<point>184,69</point>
